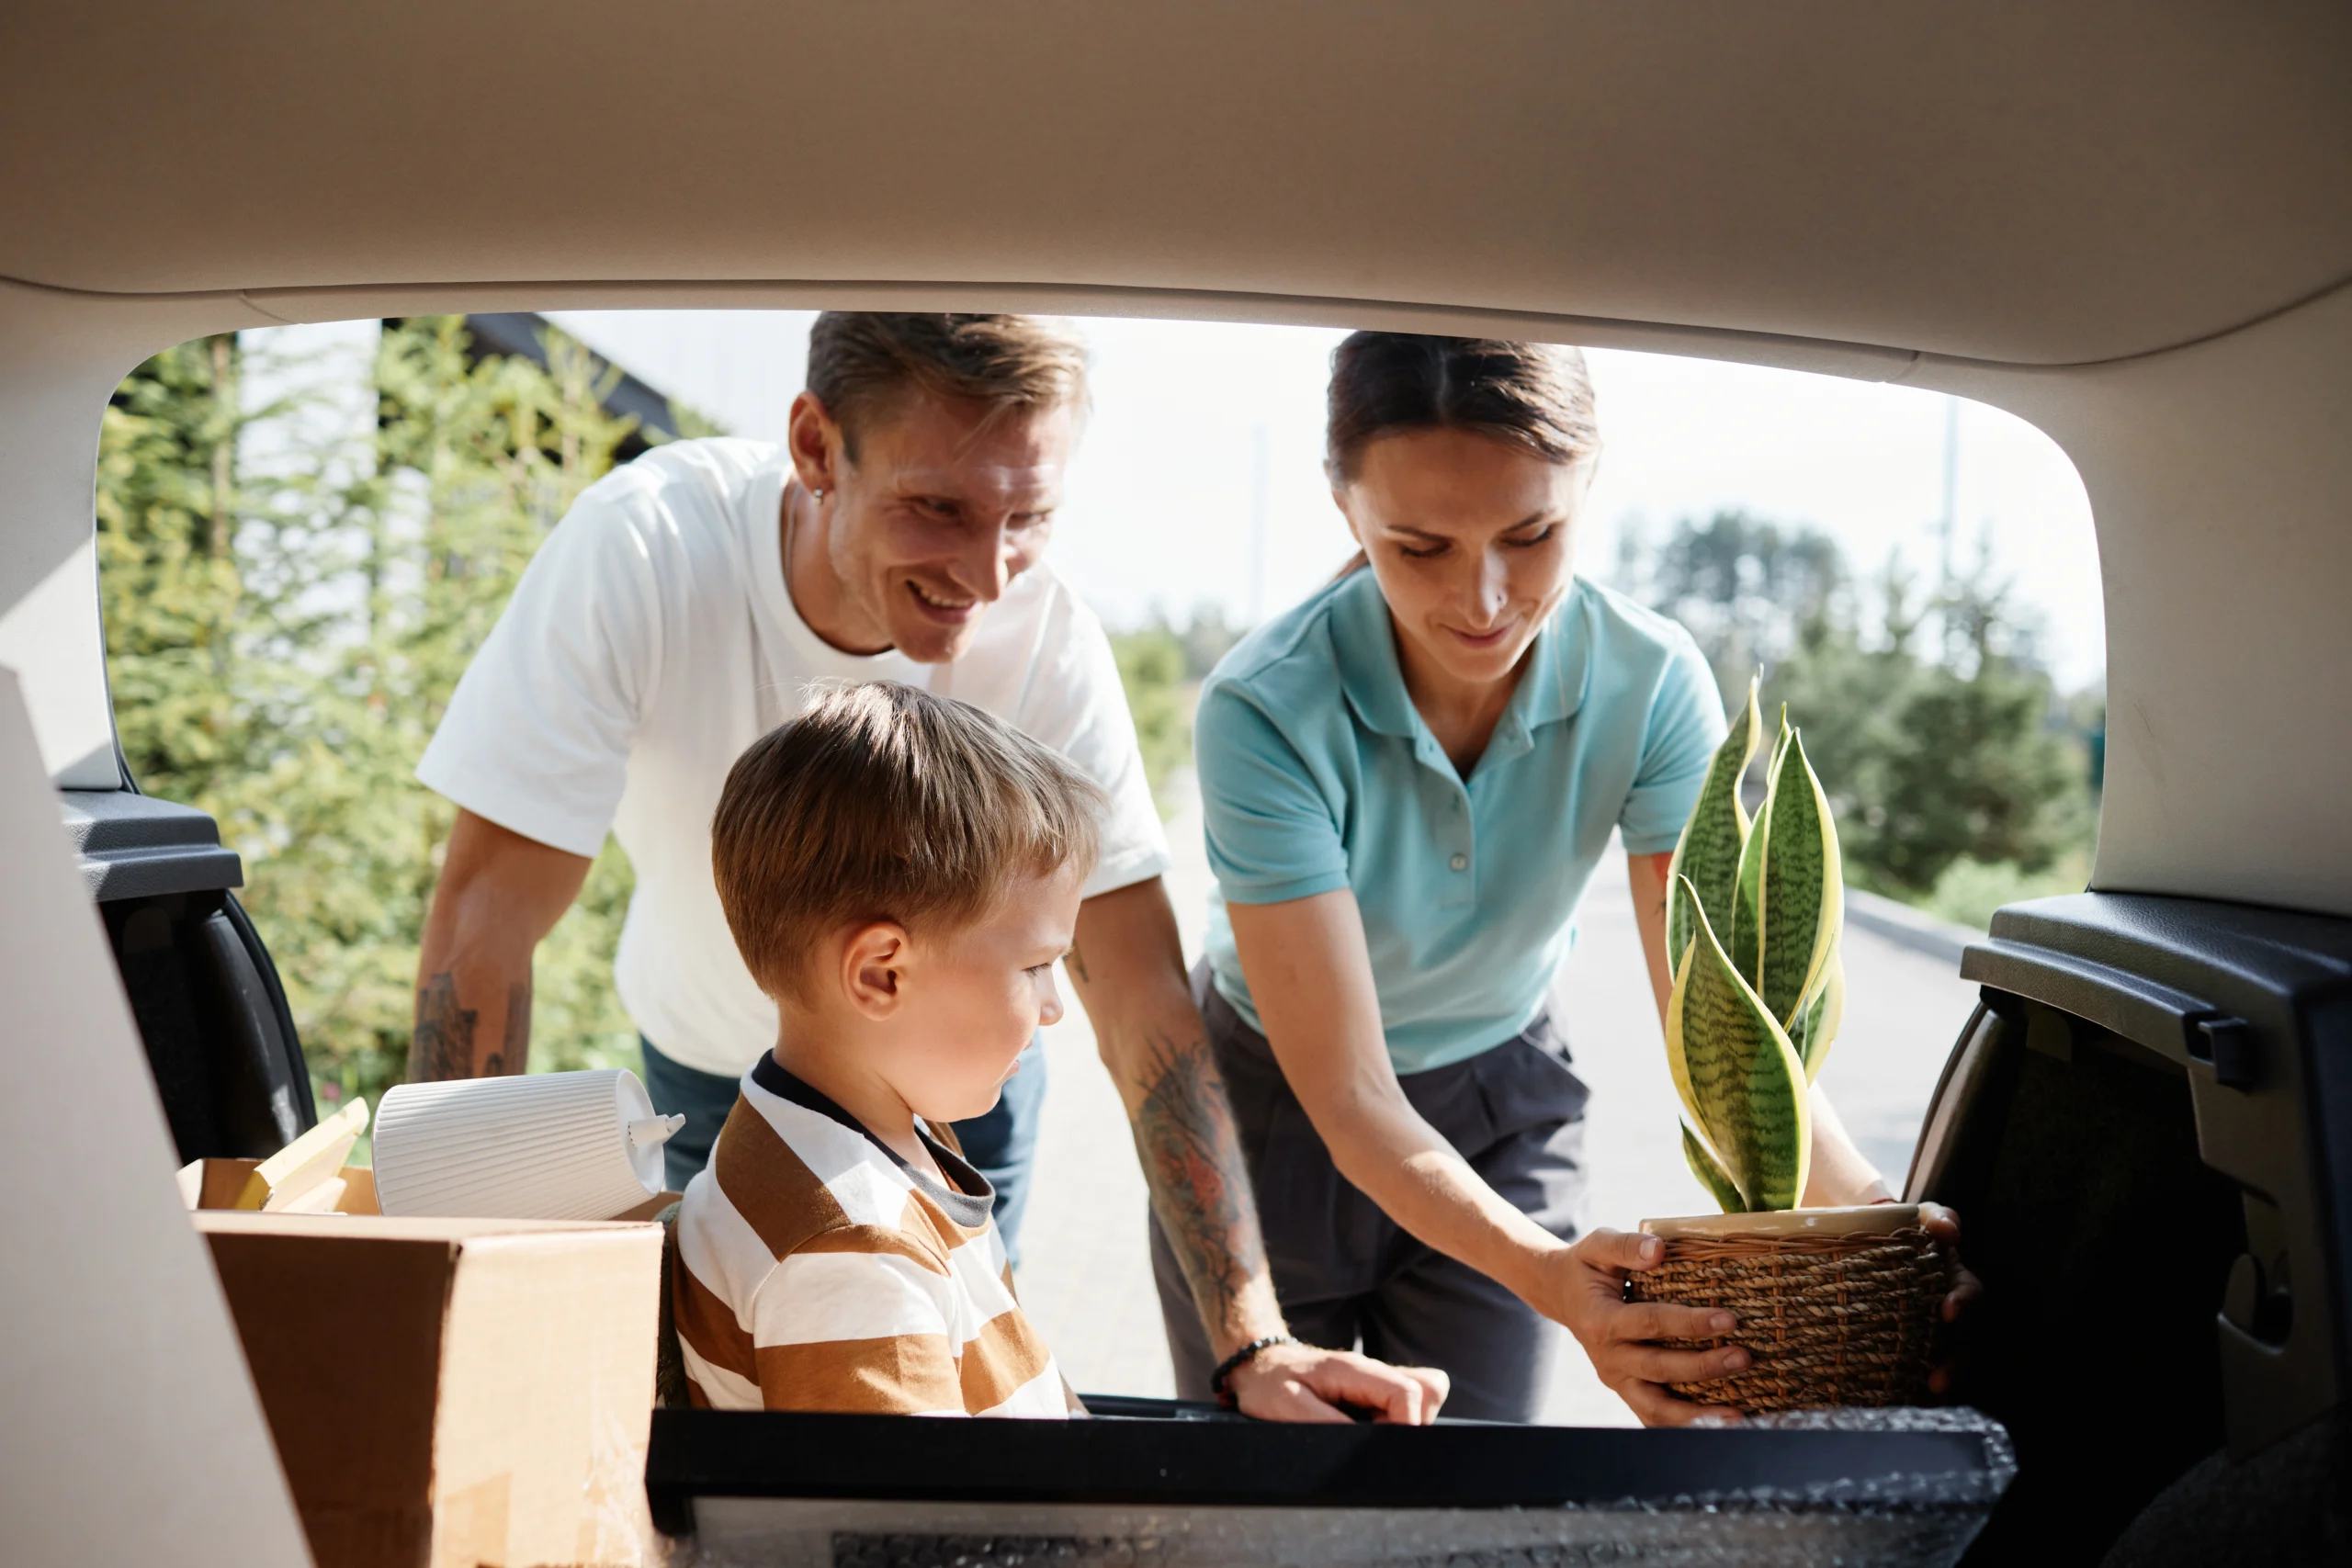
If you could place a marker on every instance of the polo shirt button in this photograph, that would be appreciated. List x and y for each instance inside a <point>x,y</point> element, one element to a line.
<point>1461,862</point>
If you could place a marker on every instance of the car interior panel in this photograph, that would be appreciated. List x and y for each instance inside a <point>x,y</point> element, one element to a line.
<point>2124,223</point>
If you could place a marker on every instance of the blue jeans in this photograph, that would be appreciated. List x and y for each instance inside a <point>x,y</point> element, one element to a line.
<point>1001,1144</point>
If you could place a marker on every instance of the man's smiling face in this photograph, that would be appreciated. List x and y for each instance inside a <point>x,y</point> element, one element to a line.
<point>945,502</point>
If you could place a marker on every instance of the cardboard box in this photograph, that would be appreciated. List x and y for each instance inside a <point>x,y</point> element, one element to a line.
<point>450,1391</point>
<point>215,1184</point>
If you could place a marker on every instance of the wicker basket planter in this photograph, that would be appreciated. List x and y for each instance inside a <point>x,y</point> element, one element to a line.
<point>1837,1306</point>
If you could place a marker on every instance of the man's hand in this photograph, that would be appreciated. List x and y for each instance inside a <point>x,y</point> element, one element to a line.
<point>1588,1294</point>
<point>1305,1383</point>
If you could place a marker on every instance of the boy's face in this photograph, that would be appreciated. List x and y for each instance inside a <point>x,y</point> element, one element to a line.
<point>961,1004</point>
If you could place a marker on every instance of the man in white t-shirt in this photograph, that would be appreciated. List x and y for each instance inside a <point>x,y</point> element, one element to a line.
<point>685,607</point>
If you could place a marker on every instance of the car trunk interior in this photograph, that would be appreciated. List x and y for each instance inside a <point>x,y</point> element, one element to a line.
<point>2123,223</point>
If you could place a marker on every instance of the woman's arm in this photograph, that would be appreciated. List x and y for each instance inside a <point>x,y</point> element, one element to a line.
<point>1128,968</point>
<point>1840,1175</point>
<point>1310,973</point>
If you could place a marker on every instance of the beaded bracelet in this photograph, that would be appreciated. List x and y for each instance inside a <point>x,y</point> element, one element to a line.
<point>1233,1363</point>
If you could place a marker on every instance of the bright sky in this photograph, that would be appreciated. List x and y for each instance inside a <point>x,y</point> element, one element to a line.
<point>1198,425</point>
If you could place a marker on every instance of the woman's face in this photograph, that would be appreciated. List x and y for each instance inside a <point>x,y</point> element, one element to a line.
<point>1472,542</point>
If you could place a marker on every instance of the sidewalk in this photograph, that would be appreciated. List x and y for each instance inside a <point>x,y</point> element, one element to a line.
<point>1086,1276</point>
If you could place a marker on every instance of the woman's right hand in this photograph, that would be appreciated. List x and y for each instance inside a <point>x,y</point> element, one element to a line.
<point>1585,1289</point>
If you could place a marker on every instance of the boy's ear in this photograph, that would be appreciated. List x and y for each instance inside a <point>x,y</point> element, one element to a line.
<point>874,963</point>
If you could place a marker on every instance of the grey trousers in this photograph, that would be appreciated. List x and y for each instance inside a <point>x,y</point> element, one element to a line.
<point>1348,1276</point>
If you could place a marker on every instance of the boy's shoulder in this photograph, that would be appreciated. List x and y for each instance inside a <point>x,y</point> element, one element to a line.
<point>794,1178</point>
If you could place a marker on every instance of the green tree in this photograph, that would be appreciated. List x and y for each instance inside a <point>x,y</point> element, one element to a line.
<point>1943,740</point>
<point>1151,668</point>
<point>1746,587</point>
<point>285,635</point>
<point>1161,667</point>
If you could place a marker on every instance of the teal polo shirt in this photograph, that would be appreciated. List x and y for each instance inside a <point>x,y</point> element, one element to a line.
<point>1317,773</point>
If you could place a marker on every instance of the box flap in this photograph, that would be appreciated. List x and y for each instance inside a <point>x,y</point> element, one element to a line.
<point>546,1398</point>
<point>379,1227</point>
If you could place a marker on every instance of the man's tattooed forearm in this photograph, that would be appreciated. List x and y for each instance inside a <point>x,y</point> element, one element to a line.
<point>1192,1156</point>
<point>513,1053</point>
<point>443,1043</point>
<point>1074,964</point>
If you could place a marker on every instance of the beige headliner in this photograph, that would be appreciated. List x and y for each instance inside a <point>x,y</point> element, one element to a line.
<point>2030,181</point>
<point>2128,222</point>
<point>1914,191</point>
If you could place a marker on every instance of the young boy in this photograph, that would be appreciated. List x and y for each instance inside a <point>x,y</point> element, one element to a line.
<point>900,870</point>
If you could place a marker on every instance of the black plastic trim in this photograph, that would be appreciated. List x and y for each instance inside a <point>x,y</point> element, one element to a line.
<point>297,1067</point>
<point>136,846</point>
<point>1196,1462</point>
<point>2128,1004</point>
<point>2255,1006</point>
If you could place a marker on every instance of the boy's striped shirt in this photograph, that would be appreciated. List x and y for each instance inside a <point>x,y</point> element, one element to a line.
<point>820,1273</point>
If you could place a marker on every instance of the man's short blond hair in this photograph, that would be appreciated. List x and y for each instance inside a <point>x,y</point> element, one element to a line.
<point>861,363</point>
<point>886,803</point>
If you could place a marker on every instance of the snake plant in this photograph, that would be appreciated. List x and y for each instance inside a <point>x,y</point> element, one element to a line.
<point>1754,910</point>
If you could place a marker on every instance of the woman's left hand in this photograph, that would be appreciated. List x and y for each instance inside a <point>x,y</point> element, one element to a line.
<point>1587,1295</point>
<point>1966,1288</point>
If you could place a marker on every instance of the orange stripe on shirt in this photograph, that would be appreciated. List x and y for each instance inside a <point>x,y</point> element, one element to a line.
<point>904,1374</point>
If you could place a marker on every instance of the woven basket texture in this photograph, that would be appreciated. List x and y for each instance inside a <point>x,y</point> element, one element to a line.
<point>1829,1320</point>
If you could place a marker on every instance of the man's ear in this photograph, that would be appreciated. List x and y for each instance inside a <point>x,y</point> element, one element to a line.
<point>873,966</point>
<point>816,442</point>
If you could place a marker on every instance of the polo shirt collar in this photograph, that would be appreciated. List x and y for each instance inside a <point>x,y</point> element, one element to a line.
<point>1369,672</point>
<point>1552,691</point>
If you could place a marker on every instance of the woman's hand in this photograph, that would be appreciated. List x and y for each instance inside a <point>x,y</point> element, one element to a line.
<point>1588,1294</point>
<point>1944,1225</point>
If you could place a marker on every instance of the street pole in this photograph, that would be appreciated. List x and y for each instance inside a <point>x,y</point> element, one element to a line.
<point>1261,477</point>
<point>1950,524</point>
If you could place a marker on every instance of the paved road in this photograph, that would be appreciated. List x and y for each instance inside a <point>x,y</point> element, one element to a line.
<point>1086,1276</point>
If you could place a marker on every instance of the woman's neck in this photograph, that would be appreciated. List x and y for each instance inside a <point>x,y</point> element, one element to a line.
<point>1462,715</point>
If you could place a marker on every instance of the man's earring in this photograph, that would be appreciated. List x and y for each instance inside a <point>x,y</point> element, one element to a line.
<point>818,493</point>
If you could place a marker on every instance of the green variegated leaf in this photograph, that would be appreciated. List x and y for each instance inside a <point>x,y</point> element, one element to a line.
<point>1747,896</point>
<point>1740,1076</point>
<point>1800,897</point>
<point>1823,1015</point>
<point>1708,853</point>
<point>1744,932</point>
<point>1676,1064</point>
<point>1711,1173</point>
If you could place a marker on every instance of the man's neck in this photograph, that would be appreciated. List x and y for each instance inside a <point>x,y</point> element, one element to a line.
<point>811,582</point>
<point>875,1104</point>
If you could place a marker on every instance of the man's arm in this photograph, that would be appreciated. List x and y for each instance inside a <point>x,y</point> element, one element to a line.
<point>1128,966</point>
<point>499,895</point>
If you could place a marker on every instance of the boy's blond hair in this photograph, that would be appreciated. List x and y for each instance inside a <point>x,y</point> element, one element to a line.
<point>883,802</point>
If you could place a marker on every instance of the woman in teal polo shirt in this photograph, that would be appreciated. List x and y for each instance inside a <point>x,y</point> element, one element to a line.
<point>1408,780</point>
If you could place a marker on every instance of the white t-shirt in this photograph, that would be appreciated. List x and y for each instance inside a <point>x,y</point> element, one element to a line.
<point>652,639</point>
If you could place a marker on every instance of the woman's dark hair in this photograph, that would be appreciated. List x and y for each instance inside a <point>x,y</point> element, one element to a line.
<point>1531,395</point>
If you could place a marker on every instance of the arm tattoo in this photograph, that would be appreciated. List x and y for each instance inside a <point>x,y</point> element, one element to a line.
<point>1074,964</point>
<point>513,1053</point>
<point>1199,1188</point>
<point>443,1043</point>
